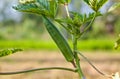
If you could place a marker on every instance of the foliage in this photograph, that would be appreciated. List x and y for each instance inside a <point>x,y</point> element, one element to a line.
<point>6,52</point>
<point>96,4</point>
<point>112,8</point>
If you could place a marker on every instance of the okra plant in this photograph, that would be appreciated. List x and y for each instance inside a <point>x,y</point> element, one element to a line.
<point>74,23</point>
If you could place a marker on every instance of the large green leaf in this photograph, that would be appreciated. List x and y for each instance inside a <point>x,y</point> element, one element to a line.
<point>6,52</point>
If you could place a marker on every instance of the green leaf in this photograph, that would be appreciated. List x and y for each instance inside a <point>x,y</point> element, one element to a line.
<point>101,3</point>
<point>53,7</point>
<point>114,6</point>
<point>87,1</point>
<point>64,1</point>
<point>95,4</point>
<point>43,4</point>
<point>117,43</point>
<point>26,1</point>
<point>78,19</point>
<point>40,7</point>
<point>30,8</point>
<point>6,52</point>
<point>90,16</point>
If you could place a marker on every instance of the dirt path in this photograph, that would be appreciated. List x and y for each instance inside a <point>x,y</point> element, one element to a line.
<point>106,62</point>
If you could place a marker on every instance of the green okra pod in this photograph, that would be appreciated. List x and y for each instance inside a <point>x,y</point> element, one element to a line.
<point>59,40</point>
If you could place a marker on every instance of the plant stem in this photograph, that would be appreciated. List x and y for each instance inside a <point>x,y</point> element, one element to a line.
<point>66,7</point>
<point>91,63</point>
<point>37,69</point>
<point>80,73</point>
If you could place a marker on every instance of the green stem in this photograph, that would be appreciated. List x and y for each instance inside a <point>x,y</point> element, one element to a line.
<point>80,73</point>
<point>37,69</point>
<point>91,63</point>
<point>64,27</point>
<point>67,11</point>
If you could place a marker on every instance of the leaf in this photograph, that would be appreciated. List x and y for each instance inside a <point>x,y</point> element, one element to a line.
<point>87,1</point>
<point>95,4</point>
<point>6,52</point>
<point>53,7</point>
<point>26,1</point>
<point>30,8</point>
<point>101,3</point>
<point>114,6</point>
<point>78,19</point>
<point>40,7</point>
<point>43,4</point>
<point>117,43</point>
<point>64,1</point>
<point>90,16</point>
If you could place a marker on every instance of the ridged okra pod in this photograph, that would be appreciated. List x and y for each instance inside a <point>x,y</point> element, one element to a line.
<point>59,40</point>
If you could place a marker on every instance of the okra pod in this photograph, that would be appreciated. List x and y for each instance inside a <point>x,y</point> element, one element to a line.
<point>59,40</point>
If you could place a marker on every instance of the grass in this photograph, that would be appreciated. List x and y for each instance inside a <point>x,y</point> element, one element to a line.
<point>96,44</point>
<point>91,44</point>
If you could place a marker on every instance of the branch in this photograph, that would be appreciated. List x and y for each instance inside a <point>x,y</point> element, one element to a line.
<point>66,7</point>
<point>92,64</point>
<point>37,69</point>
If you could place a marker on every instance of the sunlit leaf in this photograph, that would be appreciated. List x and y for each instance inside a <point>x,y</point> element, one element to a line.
<point>90,16</point>
<point>26,1</point>
<point>95,4</point>
<point>114,6</point>
<point>6,52</point>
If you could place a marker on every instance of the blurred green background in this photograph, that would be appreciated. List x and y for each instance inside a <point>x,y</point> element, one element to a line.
<point>27,31</point>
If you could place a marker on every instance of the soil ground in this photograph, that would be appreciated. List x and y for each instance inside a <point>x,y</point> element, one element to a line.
<point>106,62</point>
